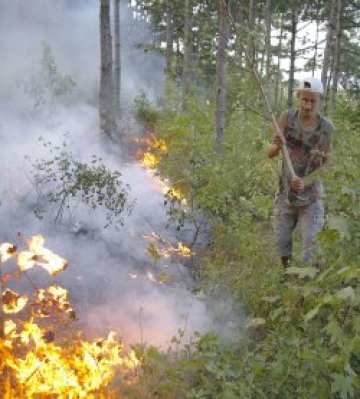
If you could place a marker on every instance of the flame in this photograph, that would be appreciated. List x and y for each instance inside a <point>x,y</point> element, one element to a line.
<point>165,248</point>
<point>149,160</point>
<point>184,250</point>
<point>71,372</point>
<point>26,260</point>
<point>13,302</point>
<point>41,256</point>
<point>35,365</point>
<point>52,263</point>
<point>173,194</point>
<point>147,157</point>
<point>151,277</point>
<point>7,250</point>
<point>53,298</point>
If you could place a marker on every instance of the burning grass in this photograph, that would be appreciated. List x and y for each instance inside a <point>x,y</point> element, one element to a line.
<point>34,363</point>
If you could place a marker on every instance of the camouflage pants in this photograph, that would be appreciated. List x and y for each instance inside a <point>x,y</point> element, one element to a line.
<point>310,219</point>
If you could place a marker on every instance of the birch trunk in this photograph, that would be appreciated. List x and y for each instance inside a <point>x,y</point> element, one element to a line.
<point>187,53</point>
<point>106,94</point>
<point>268,37</point>
<point>251,38</point>
<point>313,68</point>
<point>169,36</point>
<point>292,58</point>
<point>221,63</point>
<point>117,57</point>
<point>239,43</point>
<point>278,73</point>
<point>328,46</point>
<point>336,56</point>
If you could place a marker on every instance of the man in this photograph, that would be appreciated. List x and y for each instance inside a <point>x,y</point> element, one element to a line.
<point>299,200</point>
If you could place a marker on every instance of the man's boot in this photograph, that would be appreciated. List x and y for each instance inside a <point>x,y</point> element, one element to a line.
<point>285,260</point>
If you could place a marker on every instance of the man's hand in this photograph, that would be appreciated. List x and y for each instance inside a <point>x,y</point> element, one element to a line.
<point>275,147</point>
<point>278,142</point>
<point>297,184</point>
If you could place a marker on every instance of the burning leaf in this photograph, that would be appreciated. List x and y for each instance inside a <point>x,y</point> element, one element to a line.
<point>154,252</point>
<point>26,260</point>
<point>7,250</point>
<point>53,298</point>
<point>184,250</point>
<point>5,278</point>
<point>149,160</point>
<point>45,258</point>
<point>9,327</point>
<point>13,302</point>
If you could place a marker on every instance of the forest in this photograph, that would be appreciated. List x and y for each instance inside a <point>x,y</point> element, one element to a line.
<point>138,201</point>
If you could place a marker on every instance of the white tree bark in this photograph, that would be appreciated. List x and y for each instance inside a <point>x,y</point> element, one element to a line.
<point>117,57</point>
<point>328,45</point>
<point>336,56</point>
<point>268,37</point>
<point>106,95</point>
<point>169,36</point>
<point>187,72</point>
<point>221,63</point>
<point>291,84</point>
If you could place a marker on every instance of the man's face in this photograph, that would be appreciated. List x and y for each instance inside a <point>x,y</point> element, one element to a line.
<point>309,103</point>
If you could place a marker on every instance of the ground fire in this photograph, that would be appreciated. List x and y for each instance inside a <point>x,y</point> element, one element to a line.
<point>34,362</point>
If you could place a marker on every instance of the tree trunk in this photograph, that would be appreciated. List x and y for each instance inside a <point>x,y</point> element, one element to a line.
<point>314,66</point>
<point>328,46</point>
<point>106,94</point>
<point>221,63</point>
<point>291,83</point>
<point>268,37</point>
<point>117,56</point>
<point>251,30</point>
<point>278,73</point>
<point>187,52</point>
<point>239,42</point>
<point>169,36</point>
<point>336,56</point>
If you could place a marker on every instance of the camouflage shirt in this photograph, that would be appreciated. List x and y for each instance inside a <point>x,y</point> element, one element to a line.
<point>307,150</point>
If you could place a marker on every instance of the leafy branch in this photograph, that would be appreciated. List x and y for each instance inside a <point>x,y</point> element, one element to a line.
<point>63,181</point>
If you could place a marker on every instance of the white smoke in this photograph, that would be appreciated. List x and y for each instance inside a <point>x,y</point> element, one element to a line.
<point>101,262</point>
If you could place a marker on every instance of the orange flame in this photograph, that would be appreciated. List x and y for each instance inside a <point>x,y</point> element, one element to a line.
<point>13,302</point>
<point>38,367</point>
<point>149,160</point>
<point>7,250</point>
<point>41,256</point>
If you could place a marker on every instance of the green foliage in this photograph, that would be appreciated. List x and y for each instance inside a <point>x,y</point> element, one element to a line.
<point>62,181</point>
<point>47,83</point>
<point>301,337</point>
<point>145,111</point>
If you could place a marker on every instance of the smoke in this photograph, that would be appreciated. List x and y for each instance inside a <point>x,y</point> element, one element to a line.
<point>108,273</point>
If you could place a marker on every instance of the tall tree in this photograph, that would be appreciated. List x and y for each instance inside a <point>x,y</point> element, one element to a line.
<point>268,37</point>
<point>251,31</point>
<point>221,63</point>
<point>328,45</point>
<point>278,90</point>
<point>336,56</point>
<point>169,36</point>
<point>106,93</point>
<point>293,30</point>
<point>187,70</point>
<point>117,57</point>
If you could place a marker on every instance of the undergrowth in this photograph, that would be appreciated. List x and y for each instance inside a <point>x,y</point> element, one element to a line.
<point>301,336</point>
